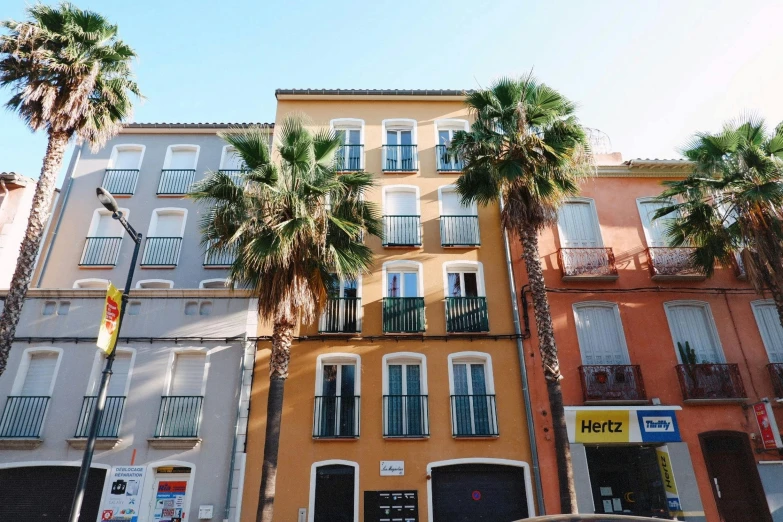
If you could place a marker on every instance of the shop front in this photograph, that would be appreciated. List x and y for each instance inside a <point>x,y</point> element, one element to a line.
<point>632,461</point>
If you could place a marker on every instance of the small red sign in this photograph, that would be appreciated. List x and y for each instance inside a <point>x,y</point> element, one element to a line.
<point>765,426</point>
<point>108,514</point>
<point>112,313</point>
<point>476,495</point>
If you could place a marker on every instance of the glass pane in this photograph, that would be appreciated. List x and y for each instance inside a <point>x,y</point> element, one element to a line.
<point>413,379</point>
<point>405,138</point>
<point>333,286</point>
<point>411,286</point>
<point>391,137</point>
<point>477,378</point>
<point>471,284</point>
<point>340,134</point>
<point>350,288</point>
<point>393,282</point>
<point>347,382</point>
<point>460,379</point>
<point>443,137</point>
<point>455,287</point>
<point>480,400</point>
<point>395,379</point>
<point>329,387</point>
<point>353,137</point>
<point>414,401</point>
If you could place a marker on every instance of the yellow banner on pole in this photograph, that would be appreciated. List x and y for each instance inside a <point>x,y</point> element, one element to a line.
<point>107,335</point>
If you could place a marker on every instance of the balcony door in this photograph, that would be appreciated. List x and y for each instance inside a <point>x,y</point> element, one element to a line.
<point>463,284</point>
<point>402,284</point>
<point>182,159</point>
<point>399,152</point>
<point>342,309</point>
<point>771,331</point>
<point>350,155</point>
<point>577,223</point>
<point>470,402</point>
<point>600,335</point>
<point>404,402</point>
<point>654,229</point>
<point>693,323</point>
<point>337,410</point>
<point>127,159</point>
<point>401,203</point>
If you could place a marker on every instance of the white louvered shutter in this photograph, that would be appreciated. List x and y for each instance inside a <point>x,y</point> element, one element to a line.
<point>183,159</point>
<point>401,203</point>
<point>452,205</point>
<point>692,324</point>
<point>771,331</point>
<point>128,159</point>
<point>578,226</point>
<point>169,225</point>
<point>188,374</point>
<point>39,374</point>
<point>119,376</point>
<point>600,334</point>
<point>231,161</point>
<point>654,229</point>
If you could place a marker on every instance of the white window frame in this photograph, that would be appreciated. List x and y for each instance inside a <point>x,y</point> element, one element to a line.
<point>668,305</point>
<point>79,282</point>
<point>24,364</point>
<point>167,281</point>
<point>204,282</point>
<point>476,267</point>
<point>402,266</point>
<point>345,124</point>
<point>97,370</point>
<point>174,352</point>
<point>596,222</point>
<point>755,305</point>
<point>489,381</point>
<point>360,311</point>
<point>96,216</point>
<point>313,474</point>
<point>167,210</point>
<point>179,147</point>
<point>453,188</point>
<point>338,358</point>
<point>450,124</point>
<point>618,324</point>
<point>115,151</point>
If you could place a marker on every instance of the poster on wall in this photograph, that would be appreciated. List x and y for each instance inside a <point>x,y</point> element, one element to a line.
<point>124,498</point>
<point>170,501</point>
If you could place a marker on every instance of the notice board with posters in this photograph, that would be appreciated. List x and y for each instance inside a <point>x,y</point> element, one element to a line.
<point>170,500</point>
<point>124,498</point>
<point>391,506</point>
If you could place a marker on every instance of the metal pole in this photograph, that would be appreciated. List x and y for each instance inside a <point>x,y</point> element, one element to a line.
<point>97,413</point>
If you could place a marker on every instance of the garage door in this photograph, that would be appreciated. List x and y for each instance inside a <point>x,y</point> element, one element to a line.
<point>478,492</point>
<point>45,493</point>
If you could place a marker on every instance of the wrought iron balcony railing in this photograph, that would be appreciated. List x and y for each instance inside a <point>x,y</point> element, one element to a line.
<point>587,263</point>
<point>215,257</point>
<point>236,175</point>
<point>672,263</point>
<point>473,416</point>
<point>161,251</point>
<point>341,315</point>
<point>100,251</point>
<point>109,426</point>
<point>405,416</point>
<point>466,314</point>
<point>120,182</point>
<point>711,382</point>
<point>179,416</point>
<point>401,231</point>
<point>400,158</point>
<point>403,314</point>
<point>336,417</point>
<point>175,182</point>
<point>459,231</point>
<point>447,162</point>
<point>776,375</point>
<point>23,416</point>
<point>349,158</point>
<point>612,383</point>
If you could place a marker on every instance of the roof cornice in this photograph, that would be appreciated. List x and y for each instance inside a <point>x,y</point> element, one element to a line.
<point>187,128</point>
<point>372,94</point>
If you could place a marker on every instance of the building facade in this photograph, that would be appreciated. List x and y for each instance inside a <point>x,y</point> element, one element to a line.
<point>664,370</point>
<point>172,442</point>
<point>406,400</point>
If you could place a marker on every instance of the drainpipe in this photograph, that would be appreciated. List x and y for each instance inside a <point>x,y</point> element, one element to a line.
<point>227,509</point>
<point>523,374</point>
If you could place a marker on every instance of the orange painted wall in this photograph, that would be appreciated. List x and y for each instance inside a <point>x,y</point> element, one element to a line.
<point>646,330</point>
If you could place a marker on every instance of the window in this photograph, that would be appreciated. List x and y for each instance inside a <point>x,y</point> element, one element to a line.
<point>164,237</point>
<point>230,160</point>
<point>205,308</point>
<point>350,157</point>
<point>191,308</point>
<point>49,308</point>
<point>464,279</point>
<point>134,308</point>
<point>217,284</point>
<point>155,284</point>
<point>126,157</point>
<point>104,239</point>
<point>691,322</point>
<point>180,407</point>
<point>63,308</point>
<point>445,130</point>
<point>343,310</point>
<point>399,145</point>
<point>654,229</point>
<point>187,374</point>
<point>459,225</point>
<point>402,279</point>
<point>122,174</point>
<point>577,224</point>
<point>600,334</point>
<point>403,304</point>
<point>472,395</point>
<point>115,399</point>
<point>92,284</point>
<point>179,169</point>
<point>26,406</point>
<point>337,396</point>
<point>405,407</point>
<point>181,157</point>
<point>401,216</point>
<point>768,321</point>
<point>466,303</point>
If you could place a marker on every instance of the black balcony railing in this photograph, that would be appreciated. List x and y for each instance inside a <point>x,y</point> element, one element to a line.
<point>473,416</point>
<point>336,417</point>
<point>459,231</point>
<point>341,315</point>
<point>401,158</point>
<point>349,158</point>
<point>23,416</point>
<point>710,382</point>
<point>100,251</point>
<point>179,416</point>
<point>236,175</point>
<point>175,181</point>
<point>667,263</point>
<point>401,231</point>
<point>466,314</point>
<point>447,162</point>
<point>120,182</point>
<point>219,257</point>
<point>403,314</point>
<point>161,251</point>
<point>405,416</point>
<point>587,263</point>
<point>776,374</point>
<point>612,382</point>
<point>110,421</point>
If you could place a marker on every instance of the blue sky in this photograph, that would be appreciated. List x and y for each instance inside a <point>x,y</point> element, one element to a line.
<point>648,74</point>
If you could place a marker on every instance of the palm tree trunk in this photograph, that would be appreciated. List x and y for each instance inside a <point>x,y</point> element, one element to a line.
<point>39,214</point>
<point>282,336</point>
<point>548,350</point>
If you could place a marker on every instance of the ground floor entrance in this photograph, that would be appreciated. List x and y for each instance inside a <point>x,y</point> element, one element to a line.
<point>626,480</point>
<point>479,492</point>
<point>36,493</point>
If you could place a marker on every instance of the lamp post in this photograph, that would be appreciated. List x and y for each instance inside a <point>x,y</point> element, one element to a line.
<point>108,201</point>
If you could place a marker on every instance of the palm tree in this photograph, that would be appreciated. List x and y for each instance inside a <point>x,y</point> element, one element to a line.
<point>730,209</point>
<point>71,77</point>
<point>527,150</point>
<point>295,228</point>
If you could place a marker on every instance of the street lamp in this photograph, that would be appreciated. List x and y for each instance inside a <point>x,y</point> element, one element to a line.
<point>108,201</point>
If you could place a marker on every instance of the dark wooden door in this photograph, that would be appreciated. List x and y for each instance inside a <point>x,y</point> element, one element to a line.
<point>334,494</point>
<point>735,481</point>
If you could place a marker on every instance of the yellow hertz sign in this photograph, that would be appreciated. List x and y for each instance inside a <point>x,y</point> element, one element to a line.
<point>602,426</point>
<point>672,496</point>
